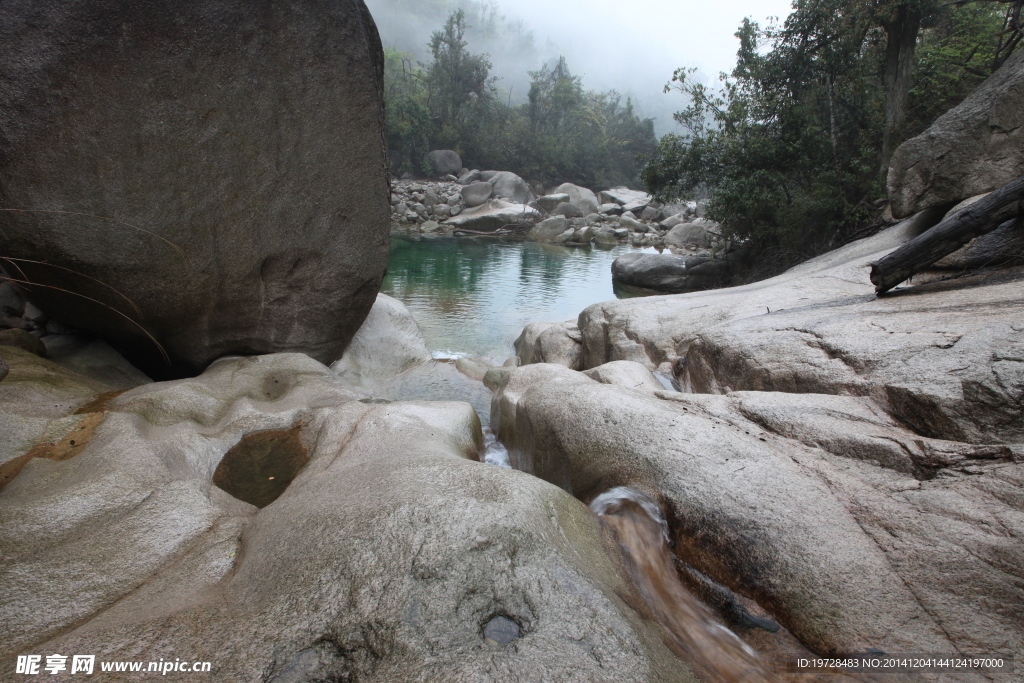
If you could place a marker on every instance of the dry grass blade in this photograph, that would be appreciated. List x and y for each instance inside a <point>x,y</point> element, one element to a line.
<point>12,260</point>
<point>169,243</point>
<point>159,346</point>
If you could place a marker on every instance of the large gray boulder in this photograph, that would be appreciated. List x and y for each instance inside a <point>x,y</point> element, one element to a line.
<point>444,162</point>
<point>852,531</point>
<point>976,147</point>
<point>624,196</point>
<point>508,185</point>
<point>477,193</point>
<point>661,272</point>
<point>583,199</point>
<point>550,343</point>
<point>493,215</point>
<point>551,230</point>
<point>221,165</point>
<point>549,201</point>
<point>389,342</point>
<point>568,210</point>
<point>693,234</point>
<point>389,553</point>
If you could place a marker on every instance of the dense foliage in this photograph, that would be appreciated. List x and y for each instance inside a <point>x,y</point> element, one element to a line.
<point>793,146</point>
<point>562,133</point>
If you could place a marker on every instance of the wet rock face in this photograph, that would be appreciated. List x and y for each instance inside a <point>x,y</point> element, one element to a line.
<point>392,555</point>
<point>851,530</point>
<point>976,147</point>
<point>131,132</point>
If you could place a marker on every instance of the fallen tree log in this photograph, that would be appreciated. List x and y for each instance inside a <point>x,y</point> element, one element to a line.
<point>977,219</point>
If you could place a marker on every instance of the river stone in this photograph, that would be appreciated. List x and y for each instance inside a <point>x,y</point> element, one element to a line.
<point>584,234</point>
<point>693,234</point>
<point>632,224</point>
<point>662,272</point>
<point>611,209</point>
<point>12,300</point>
<point>549,229</point>
<point>37,399</point>
<point>549,343</point>
<point>444,162</point>
<point>568,210</point>
<point>389,342</point>
<point>23,340</point>
<point>474,368</point>
<point>508,185</point>
<point>626,373</point>
<point>469,177</point>
<point>651,214</point>
<point>493,215</point>
<point>384,558</point>
<point>605,236</point>
<point>673,221</point>
<point>211,127</point>
<point>624,195</point>
<point>550,201</point>
<point>583,199</point>
<point>477,193</point>
<point>976,147</point>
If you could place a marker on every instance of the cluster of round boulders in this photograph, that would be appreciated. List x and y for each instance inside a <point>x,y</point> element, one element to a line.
<point>484,201</point>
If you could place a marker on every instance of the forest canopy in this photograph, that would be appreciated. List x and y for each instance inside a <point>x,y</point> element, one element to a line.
<point>563,132</point>
<point>794,145</point>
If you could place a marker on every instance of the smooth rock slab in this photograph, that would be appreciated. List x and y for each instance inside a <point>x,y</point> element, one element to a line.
<point>940,357</point>
<point>389,342</point>
<point>662,272</point>
<point>384,559</point>
<point>492,215</point>
<point>847,554</point>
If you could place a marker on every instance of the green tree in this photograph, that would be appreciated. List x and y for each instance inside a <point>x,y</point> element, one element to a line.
<point>458,81</point>
<point>790,144</point>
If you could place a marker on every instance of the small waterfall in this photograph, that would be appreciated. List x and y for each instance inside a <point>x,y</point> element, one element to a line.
<point>495,452</point>
<point>643,534</point>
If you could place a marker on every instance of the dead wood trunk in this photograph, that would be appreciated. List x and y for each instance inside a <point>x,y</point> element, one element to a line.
<point>977,219</point>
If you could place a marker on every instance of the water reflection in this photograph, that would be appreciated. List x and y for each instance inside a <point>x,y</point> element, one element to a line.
<point>474,294</point>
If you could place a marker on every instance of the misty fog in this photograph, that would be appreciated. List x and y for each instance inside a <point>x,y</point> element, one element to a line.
<point>632,49</point>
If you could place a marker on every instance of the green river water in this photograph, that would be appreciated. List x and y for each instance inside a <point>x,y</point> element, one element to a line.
<point>473,295</point>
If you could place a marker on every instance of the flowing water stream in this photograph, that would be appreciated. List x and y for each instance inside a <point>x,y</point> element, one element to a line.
<point>472,297</point>
<point>718,654</point>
